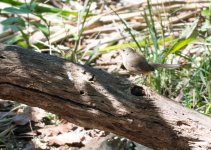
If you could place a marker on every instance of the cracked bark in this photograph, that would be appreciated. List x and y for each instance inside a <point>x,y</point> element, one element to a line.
<point>95,99</point>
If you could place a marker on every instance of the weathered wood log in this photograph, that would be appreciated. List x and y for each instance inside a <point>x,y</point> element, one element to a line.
<point>95,99</point>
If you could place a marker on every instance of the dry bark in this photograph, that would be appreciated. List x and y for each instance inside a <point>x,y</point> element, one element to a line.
<point>95,99</point>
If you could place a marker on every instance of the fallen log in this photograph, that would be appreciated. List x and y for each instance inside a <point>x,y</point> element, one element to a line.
<point>93,98</point>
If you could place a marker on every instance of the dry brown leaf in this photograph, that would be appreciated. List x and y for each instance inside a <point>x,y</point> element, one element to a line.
<point>37,114</point>
<point>68,138</point>
<point>55,130</point>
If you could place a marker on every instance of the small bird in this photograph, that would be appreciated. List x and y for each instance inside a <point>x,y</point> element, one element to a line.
<point>136,63</point>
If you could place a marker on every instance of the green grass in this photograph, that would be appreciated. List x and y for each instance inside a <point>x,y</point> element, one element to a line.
<point>198,89</point>
<point>194,81</point>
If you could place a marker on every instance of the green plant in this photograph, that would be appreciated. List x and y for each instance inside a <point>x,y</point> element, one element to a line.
<point>50,119</point>
<point>198,89</point>
<point>17,22</point>
<point>206,13</point>
<point>72,54</point>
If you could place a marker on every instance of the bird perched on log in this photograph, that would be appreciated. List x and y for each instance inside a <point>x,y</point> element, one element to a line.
<point>136,63</point>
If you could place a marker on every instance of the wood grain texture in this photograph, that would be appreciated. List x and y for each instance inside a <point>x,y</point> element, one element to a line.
<point>95,99</point>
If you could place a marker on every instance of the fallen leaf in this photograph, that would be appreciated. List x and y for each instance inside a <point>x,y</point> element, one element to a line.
<point>55,130</point>
<point>67,138</point>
